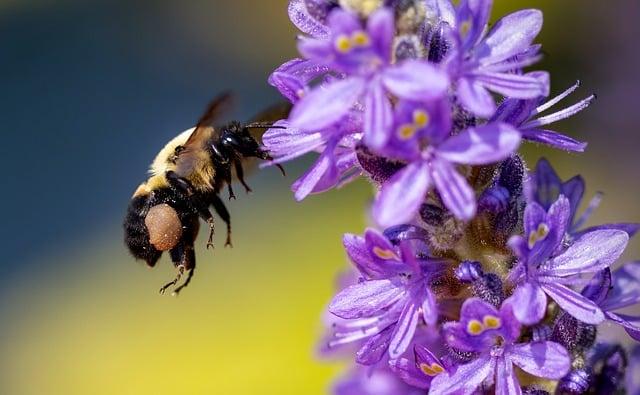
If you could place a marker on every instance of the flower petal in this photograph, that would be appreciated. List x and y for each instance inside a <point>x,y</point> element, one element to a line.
<point>513,85</point>
<point>475,98</point>
<point>375,348</point>
<point>358,253</point>
<point>378,116</point>
<point>401,196</point>
<point>443,10</point>
<point>542,359</point>
<point>408,372</point>
<point>416,80</point>
<point>465,379</point>
<point>456,193</point>
<point>573,303</point>
<point>366,298</point>
<point>593,251</point>
<point>510,36</point>
<point>404,330</point>
<point>326,105</point>
<point>481,145</point>
<point>308,22</point>
<point>631,329</point>
<point>381,29</point>
<point>430,308</point>
<point>320,177</point>
<point>506,380</point>
<point>546,186</point>
<point>529,303</point>
<point>553,139</point>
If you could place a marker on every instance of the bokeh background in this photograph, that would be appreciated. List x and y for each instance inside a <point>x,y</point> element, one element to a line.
<point>91,89</point>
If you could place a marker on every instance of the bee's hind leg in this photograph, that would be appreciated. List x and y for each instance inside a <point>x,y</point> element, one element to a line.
<point>222,211</point>
<point>184,258</point>
<point>186,282</point>
<point>175,280</point>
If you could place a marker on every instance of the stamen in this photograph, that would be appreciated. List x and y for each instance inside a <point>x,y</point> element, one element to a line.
<point>421,118</point>
<point>492,322</point>
<point>558,98</point>
<point>475,327</point>
<point>593,205</point>
<point>343,43</point>
<point>360,39</point>
<point>431,370</point>
<point>384,254</point>
<point>406,131</point>
<point>465,28</point>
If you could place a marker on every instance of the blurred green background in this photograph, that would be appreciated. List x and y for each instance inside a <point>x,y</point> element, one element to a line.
<point>91,90</point>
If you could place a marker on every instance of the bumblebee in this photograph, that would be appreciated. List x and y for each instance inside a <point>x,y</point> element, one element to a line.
<point>186,179</point>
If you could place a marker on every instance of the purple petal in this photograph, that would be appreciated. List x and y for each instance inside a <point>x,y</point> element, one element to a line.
<point>326,105</point>
<point>465,380</point>
<point>475,98</point>
<point>626,287</point>
<point>402,196</point>
<point>408,372</point>
<point>593,251</point>
<point>456,193</point>
<point>477,12</point>
<point>308,22</point>
<point>547,185</point>
<point>378,116</point>
<point>292,77</point>
<point>288,143</point>
<point>553,139</point>
<point>574,191</point>
<point>316,50</point>
<point>631,329</point>
<point>513,85</point>
<point>630,228</point>
<point>506,381</point>
<point>598,288</point>
<point>573,303</point>
<point>443,9</point>
<point>529,303</point>
<point>358,253</point>
<point>321,176</point>
<point>381,29</point>
<point>510,36</point>
<point>481,145</point>
<point>430,308</point>
<point>542,359</point>
<point>557,221</point>
<point>366,298</point>
<point>404,330</point>
<point>375,348</point>
<point>416,80</point>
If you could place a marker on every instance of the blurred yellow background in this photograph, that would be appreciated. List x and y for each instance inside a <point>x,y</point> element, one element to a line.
<point>92,89</point>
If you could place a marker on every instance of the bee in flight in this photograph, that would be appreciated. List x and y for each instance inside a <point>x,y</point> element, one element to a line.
<point>187,177</point>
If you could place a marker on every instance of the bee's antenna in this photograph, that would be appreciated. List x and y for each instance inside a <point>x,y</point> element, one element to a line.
<point>263,125</point>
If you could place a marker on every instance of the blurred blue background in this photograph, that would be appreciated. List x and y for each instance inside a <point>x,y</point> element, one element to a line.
<point>91,90</point>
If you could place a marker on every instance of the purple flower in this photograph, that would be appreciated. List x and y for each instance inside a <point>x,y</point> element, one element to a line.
<point>363,56</point>
<point>483,62</point>
<point>392,299</point>
<point>292,79</point>
<point>545,187</point>
<point>526,116</point>
<point>422,370</point>
<point>492,334</point>
<point>435,166</point>
<point>633,372</point>
<point>546,268</point>
<point>310,16</point>
<point>616,291</point>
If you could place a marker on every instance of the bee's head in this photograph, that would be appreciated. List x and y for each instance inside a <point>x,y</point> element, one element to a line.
<point>237,138</point>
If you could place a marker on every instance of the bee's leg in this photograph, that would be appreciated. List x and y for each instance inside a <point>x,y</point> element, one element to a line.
<point>184,257</point>
<point>222,211</point>
<point>175,280</point>
<point>240,174</point>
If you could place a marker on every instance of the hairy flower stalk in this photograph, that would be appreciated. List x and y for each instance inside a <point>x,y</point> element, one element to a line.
<point>480,276</point>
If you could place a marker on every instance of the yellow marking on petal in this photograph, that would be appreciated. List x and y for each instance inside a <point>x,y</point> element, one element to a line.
<point>492,322</point>
<point>421,118</point>
<point>406,131</point>
<point>360,39</point>
<point>384,254</point>
<point>465,28</point>
<point>538,235</point>
<point>343,43</point>
<point>475,327</point>
<point>431,370</point>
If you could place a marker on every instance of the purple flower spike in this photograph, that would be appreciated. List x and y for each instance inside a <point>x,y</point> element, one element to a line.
<point>545,269</point>
<point>492,334</point>
<point>390,302</point>
<point>401,197</point>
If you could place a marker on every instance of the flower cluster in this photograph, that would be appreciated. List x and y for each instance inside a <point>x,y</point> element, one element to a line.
<point>480,276</point>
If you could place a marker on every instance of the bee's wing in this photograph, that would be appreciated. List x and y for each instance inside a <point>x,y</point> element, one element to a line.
<point>193,151</point>
<point>269,115</point>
